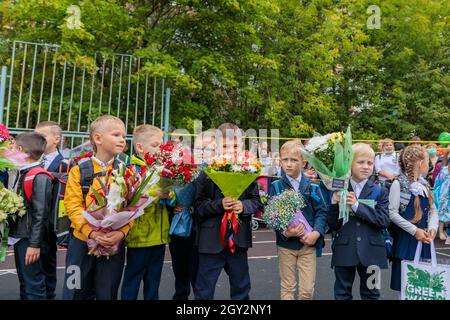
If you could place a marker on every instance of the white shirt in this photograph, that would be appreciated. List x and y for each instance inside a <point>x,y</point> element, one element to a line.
<point>101,163</point>
<point>387,162</point>
<point>357,188</point>
<point>48,158</point>
<point>295,183</point>
<point>394,206</point>
<point>66,153</point>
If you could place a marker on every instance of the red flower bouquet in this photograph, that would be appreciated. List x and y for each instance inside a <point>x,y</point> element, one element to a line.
<point>174,163</point>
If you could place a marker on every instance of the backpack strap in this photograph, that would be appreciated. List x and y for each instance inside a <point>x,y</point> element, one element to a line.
<point>377,191</point>
<point>279,186</point>
<point>86,175</point>
<point>29,179</point>
<point>313,192</point>
<point>123,157</point>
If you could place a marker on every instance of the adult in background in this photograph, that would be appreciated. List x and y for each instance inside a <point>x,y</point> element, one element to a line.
<point>386,163</point>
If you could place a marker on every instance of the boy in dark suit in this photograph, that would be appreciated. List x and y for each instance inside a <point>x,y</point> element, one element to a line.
<point>359,243</point>
<point>209,206</point>
<point>53,134</point>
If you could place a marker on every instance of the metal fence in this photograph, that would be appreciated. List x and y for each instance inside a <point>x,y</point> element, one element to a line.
<point>41,85</point>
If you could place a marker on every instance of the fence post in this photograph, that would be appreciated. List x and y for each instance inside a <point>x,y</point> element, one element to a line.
<point>2,91</point>
<point>167,111</point>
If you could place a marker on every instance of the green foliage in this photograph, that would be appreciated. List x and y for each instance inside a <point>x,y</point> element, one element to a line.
<point>301,66</point>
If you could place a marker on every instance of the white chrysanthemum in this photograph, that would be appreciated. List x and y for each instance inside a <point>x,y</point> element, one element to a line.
<point>236,168</point>
<point>252,169</point>
<point>317,143</point>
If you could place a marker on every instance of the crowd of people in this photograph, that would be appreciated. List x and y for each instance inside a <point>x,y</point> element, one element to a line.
<point>390,191</point>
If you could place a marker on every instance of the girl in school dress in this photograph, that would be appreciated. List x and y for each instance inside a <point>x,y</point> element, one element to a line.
<point>412,211</point>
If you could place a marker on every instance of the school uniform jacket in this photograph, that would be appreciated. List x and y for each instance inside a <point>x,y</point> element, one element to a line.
<point>209,210</point>
<point>360,240</point>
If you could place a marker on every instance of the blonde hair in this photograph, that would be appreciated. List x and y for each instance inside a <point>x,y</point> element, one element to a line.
<point>409,157</point>
<point>140,133</point>
<point>54,127</point>
<point>385,141</point>
<point>295,144</point>
<point>98,124</point>
<point>362,148</point>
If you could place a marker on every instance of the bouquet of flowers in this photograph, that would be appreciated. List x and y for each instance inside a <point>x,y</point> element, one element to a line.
<point>118,202</point>
<point>233,175</point>
<point>284,211</point>
<point>11,207</point>
<point>9,159</point>
<point>331,155</point>
<point>174,163</point>
<point>11,204</point>
<point>177,170</point>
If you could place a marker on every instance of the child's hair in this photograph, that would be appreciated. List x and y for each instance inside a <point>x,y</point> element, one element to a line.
<point>33,144</point>
<point>362,148</point>
<point>295,144</point>
<point>230,127</point>
<point>385,141</point>
<point>408,160</point>
<point>142,132</point>
<point>98,124</point>
<point>55,128</point>
<point>416,140</point>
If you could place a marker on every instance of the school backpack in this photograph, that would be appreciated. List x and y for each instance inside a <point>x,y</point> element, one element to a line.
<point>28,188</point>
<point>59,219</point>
<point>387,233</point>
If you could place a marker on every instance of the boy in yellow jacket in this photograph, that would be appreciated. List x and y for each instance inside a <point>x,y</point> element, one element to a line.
<point>146,242</point>
<point>89,277</point>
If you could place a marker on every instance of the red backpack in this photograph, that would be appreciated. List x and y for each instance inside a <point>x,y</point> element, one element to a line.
<point>58,218</point>
<point>29,179</point>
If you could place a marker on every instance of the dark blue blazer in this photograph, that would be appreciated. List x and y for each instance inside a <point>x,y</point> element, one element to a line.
<point>360,240</point>
<point>54,165</point>
<point>315,213</point>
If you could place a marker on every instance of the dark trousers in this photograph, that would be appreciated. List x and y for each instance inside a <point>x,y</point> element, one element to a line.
<point>344,283</point>
<point>143,264</point>
<point>234,264</point>
<point>185,265</point>
<point>38,280</point>
<point>88,277</point>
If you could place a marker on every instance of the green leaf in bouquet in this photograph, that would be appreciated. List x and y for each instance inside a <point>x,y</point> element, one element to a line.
<point>100,200</point>
<point>343,155</point>
<point>315,162</point>
<point>232,184</point>
<point>137,196</point>
<point>102,185</point>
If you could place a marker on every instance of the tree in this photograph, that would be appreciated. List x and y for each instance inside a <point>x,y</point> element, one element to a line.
<point>300,66</point>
